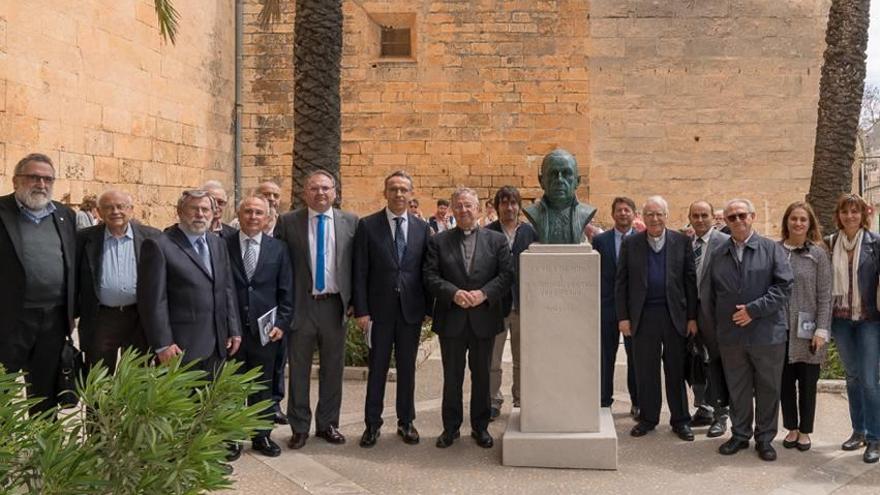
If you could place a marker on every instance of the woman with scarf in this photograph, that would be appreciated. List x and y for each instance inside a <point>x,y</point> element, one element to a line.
<point>809,320</point>
<point>855,325</point>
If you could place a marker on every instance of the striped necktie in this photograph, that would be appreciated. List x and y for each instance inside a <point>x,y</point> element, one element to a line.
<point>250,258</point>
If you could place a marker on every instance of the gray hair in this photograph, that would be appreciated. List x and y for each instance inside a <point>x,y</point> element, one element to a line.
<point>255,196</point>
<point>749,206</point>
<point>213,185</point>
<point>33,157</point>
<point>462,191</point>
<point>108,192</point>
<point>321,171</point>
<point>657,200</point>
<point>195,194</point>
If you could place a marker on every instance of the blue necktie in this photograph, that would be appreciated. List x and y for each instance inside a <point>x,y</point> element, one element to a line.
<point>204,254</point>
<point>319,257</point>
<point>399,239</point>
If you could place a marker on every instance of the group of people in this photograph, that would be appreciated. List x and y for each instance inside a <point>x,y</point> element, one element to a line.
<point>752,315</point>
<point>277,287</point>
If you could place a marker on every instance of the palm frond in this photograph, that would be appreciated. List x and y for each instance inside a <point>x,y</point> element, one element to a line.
<point>168,18</point>
<point>271,12</point>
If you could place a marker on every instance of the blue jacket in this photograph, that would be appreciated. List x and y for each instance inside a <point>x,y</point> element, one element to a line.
<point>604,244</point>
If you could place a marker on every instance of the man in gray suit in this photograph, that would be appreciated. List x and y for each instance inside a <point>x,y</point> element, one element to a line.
<point>711,398</point>
<point>750,282</point>
<point>320,239</point>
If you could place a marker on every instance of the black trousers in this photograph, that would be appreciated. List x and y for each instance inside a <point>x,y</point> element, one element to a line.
<point>799,382</point>
<point>610,341</point>
<point>253,354</point>
<point>114,330</point>
<point>404,339</point>
<point>34,346</point>
<point>478,353</point>
<point>656,340</point>
<point>753,375</point>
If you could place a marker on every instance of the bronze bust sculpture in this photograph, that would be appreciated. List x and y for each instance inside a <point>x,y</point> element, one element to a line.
<point>559,218</point>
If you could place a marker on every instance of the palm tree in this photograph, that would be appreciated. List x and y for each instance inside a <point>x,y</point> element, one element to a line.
<point>840,97</point>
<point>168,18</point>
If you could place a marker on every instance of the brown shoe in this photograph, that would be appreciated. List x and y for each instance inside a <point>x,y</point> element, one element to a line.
<point>332,435</point>
<point>297,441</point>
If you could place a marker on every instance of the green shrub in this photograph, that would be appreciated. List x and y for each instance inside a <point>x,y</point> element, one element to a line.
<point>833,367</point>
<point>150,430</point>
<point>356,351</point>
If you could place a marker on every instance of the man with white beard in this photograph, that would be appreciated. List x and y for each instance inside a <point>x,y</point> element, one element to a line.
<point>37,260</point>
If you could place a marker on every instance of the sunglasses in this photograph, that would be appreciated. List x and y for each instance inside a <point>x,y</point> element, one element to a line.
<point>737,216</point>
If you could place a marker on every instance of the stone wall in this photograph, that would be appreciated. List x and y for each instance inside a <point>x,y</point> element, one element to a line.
<point>707,99</point>
<point>91,84</point>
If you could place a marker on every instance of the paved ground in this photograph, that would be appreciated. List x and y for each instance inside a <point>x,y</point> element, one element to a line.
<point>657,463</point>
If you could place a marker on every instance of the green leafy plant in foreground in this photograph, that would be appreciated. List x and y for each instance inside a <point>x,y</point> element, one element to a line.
<point>143,430</point>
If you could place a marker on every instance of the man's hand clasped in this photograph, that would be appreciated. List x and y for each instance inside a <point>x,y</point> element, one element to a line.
<point>468,298</point>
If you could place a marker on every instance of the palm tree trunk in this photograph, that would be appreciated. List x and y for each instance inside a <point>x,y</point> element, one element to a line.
<point>840,98</point>
<point>317,119</point>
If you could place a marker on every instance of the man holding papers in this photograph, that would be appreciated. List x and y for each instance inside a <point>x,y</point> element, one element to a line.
<point>263,279</point>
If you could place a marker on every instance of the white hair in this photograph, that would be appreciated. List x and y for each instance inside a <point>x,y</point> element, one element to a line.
<point>213,185</point>
<point>258,197</point>
<point>656,200</point>
<point>749,206</point>
<point>462,191</point>
<point>108,192</point>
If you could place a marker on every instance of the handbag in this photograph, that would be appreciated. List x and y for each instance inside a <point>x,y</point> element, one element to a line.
<point>696,362</point>
<point>70,369</point>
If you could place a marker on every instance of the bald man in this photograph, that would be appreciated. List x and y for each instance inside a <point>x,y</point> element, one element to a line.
<point>106,276</point>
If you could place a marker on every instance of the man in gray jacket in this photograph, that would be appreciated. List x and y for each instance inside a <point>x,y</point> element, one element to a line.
<point>750,281</point>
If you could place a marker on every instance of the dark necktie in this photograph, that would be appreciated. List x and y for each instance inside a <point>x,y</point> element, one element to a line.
<point>698,252</point>
<point>204,254</point>
<point>399,239</point>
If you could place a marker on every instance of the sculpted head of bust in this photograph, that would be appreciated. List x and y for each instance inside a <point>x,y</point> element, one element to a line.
<point>559,178</point>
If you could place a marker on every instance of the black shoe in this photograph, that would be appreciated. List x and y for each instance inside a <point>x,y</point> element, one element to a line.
<point>483,438</point>
<point>803,447</point>
<point>733,446</point>
<point>409,433</point>
<point>266,446</point>
<point>494,412</point>
<point>641,429</point>
<point>765,451</point>
<point>684,432</point>
<point>332,435</point>
<point>872,452</point>
<point>634,411</point>
<point>280,418</point>
<point>854,442</point>
<point>368,439</point>
<point>446,438</point>
<point>789,444</point>
<point>702,418</point>
<point>297,441</point>
<point>226,468</point>
<point>718,428</point>
<point>234,451</point>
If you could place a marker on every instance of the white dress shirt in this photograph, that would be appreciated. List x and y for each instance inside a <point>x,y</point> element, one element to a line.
<point>330,286</point>
<point>393,225</point>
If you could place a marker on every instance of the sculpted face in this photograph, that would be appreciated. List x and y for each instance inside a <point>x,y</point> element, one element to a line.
<point>559,178</point>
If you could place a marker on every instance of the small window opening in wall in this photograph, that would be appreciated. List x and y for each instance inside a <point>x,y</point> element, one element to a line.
<point>396,42</point>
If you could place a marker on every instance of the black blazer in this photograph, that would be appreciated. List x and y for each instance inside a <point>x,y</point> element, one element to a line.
<point>271,286</point>
<point>379,280</point>
<point>180,302</point>
<point>632,280</point>
<point>525,236</point>
<point>604,244</point>
<point>491,272</point>
<point>89,262</point>
<point>12,288</point>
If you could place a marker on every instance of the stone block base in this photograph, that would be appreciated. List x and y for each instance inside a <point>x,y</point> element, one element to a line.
<point>561,450</point>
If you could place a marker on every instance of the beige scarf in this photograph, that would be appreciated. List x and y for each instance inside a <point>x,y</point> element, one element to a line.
<point>840,282</point>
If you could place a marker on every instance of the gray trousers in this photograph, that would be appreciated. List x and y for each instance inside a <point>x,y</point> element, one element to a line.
<point>323,326</point>
<point>754,377</point>
<point>511,324</point>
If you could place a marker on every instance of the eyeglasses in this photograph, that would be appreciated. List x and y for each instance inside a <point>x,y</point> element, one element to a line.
<point>37,178</point>
<point>737,216</point>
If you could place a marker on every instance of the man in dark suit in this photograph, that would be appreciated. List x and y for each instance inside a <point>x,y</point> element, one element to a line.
<point>320,240</point>
<point>469,271</point>
<point>712,399</point>
<point>656,298</point>
<point>608,245</point>
<point>106,280</point>
<point>37,296</point>
<point>390,303</point>
<point>263,279</point>
<point>221,199</point>
<point>508,204</point>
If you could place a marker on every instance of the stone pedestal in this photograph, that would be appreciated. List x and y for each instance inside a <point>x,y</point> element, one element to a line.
<point>560,423</point>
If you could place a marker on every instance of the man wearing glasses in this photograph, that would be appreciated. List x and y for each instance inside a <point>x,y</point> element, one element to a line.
<point>750,281</point>
<point>106,262</point>
<point>37,255</point>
